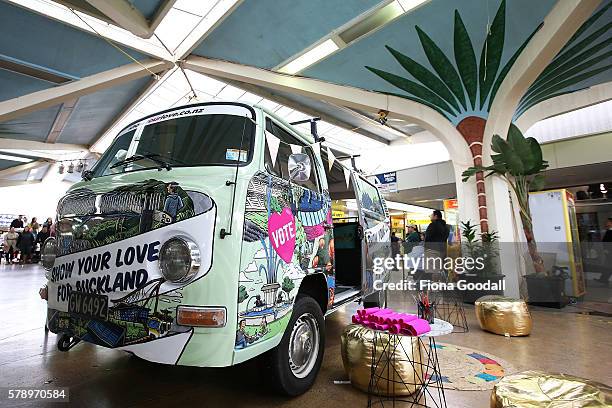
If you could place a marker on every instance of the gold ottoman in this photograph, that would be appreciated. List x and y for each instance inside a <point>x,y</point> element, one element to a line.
<point>536,389</point>
<point>504,316</point>
<point>357,343</point>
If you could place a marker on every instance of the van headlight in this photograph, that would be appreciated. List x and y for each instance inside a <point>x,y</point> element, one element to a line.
<point>179,259</point>
<point>48,253</point>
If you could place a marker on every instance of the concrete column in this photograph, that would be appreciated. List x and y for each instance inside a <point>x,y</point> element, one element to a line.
<point>466,194</point>
<point>505,220</point>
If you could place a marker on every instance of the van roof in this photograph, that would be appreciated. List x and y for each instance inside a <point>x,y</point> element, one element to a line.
<point>306,138</point>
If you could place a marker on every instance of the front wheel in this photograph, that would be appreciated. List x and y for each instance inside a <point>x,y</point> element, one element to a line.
<point>295,362</point>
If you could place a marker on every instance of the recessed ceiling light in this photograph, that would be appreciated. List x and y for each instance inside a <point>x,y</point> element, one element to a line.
<point>310,57</point>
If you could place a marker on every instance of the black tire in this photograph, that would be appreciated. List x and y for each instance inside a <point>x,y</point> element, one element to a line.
<point>284,380</point>
<point>63,342</point>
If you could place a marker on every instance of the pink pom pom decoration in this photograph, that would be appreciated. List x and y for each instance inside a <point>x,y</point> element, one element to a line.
<point>391,321</point>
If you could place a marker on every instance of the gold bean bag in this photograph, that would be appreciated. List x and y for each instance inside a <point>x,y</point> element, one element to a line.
<point>536,389</point>
<point>504,316</point>
<point>357,344</point>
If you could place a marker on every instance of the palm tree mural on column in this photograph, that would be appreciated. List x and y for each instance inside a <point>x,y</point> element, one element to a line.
<point>463,92</point>
<point>577,62</point>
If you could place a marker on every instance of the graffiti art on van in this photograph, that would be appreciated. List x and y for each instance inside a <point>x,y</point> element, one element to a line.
<point>284,239</point>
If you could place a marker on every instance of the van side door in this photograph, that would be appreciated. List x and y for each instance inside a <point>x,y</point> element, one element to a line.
<point>311,205</point>
<point>373,218</point>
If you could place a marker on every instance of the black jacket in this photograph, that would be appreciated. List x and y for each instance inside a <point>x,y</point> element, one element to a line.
<point>17,223</point>
<point>437,231</point>
<point>42,237</point>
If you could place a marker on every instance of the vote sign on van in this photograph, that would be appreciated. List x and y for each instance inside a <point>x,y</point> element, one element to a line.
<point>281,231</point>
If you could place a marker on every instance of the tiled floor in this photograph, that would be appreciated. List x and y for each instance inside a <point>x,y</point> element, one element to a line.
<point>97,377</point>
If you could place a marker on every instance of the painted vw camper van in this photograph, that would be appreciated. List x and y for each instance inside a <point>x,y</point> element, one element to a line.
<point>204,236</point>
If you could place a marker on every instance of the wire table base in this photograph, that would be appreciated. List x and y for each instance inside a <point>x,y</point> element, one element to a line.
<point>450,308</point>
<point>423,387</point>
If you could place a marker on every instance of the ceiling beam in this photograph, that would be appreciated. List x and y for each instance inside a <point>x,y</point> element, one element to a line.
<point>34,70</point>
<point>22,168</point>
<point>342,95</point>
<point>125,15</point>
<point>61,119</point>
<point>309,111</point>
<point>20,144</point>
<point>22,105</point>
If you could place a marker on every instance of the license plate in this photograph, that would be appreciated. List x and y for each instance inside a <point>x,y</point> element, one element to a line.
<point>89,305</point>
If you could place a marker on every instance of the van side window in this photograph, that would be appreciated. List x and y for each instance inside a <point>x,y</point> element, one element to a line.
<point>280,169</point>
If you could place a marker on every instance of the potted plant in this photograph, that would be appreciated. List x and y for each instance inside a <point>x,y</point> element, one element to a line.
<point>486,250</point>
<point>519,161</point>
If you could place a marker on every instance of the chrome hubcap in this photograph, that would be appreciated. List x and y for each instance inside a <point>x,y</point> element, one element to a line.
<point>303,345</point>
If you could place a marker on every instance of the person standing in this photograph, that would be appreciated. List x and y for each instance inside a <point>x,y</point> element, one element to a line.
<point>437,231</point>
<point>34,226</point>
<point>412,238</point>
<point>17,222</point>
<point>48,223</point>
<point>412,234</point>
<point>607,251</point>
<point>173,203</point>
<point>26,245</point>
<point>436,235</point>
<point>43,235</point>
<point>395,248</point>
<point>10,244</point>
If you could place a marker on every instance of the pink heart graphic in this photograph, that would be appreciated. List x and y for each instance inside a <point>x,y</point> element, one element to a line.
<point>281,231</point>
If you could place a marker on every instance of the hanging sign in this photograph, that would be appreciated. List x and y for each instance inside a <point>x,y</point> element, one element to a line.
<point>386,182</point>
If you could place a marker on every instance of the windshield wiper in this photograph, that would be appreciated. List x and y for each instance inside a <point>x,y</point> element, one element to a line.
<point>137,157</point>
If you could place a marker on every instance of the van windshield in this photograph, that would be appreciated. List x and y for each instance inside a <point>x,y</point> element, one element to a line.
<point>204,140</point>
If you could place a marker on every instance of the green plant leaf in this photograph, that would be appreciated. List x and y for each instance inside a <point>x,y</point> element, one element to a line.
<point>468,230</point>
<point>496,143</point>
<point>442,66</point>
<point>465,58</point>
<point>539,163</point>
<point>537,183</point>
<point>509,64</point>
<point>523,148</point>
<point>413,88</point>
<point>471,171</point>
<point>510,159</point>
<point>423,75</point>
<point>492,50</point>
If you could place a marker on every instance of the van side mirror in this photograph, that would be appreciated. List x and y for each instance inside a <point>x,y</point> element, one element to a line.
<point>87,175</point>
<point>299,167</point>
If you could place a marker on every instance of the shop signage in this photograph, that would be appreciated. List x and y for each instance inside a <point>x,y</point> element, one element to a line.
<point>450,205</point>
<point>386,182</point>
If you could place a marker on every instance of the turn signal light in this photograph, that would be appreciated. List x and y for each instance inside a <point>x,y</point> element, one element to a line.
<point>201,316</point>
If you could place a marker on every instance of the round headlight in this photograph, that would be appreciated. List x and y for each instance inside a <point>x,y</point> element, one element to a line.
<point>48,253</point>
<point>179,260</point>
